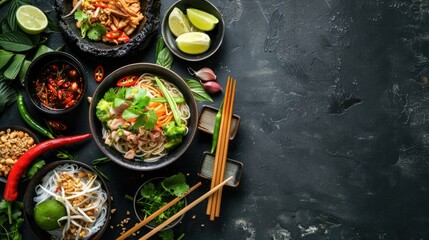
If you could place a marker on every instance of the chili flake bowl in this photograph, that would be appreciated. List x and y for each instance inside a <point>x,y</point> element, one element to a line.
<point>139,39</point>
<point>56,83</point>
<point>216,35</point>
<point>39,177</point>
<point>96,125</point>
<point>13,144</point>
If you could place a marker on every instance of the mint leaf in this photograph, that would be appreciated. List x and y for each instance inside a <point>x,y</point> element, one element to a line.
<point>15,41</point>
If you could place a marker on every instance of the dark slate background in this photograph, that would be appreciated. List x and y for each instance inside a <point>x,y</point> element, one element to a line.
<point>334,135</point>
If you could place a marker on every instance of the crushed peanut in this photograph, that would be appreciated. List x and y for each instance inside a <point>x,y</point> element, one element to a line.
<point>13,144</point>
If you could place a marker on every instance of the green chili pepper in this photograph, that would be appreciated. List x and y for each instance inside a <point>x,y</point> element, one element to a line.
<point>216,129</point>
<point>29,120</point>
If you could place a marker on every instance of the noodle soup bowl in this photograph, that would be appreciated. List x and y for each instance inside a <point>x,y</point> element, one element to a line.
<point>98,130</point>
<point>41,176</point>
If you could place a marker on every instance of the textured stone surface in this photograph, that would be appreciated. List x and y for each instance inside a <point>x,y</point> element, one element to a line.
<point>139,39</point>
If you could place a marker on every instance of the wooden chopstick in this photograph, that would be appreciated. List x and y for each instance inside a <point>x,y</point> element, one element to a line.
<point>156,213</point>
<point>184,210</point>
<point>219,152</point>
<point>223,163</point>
<point>213,207</point>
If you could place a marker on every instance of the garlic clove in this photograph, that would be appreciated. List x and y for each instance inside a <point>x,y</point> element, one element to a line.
<point>212,87</point>
<point>204,74</point>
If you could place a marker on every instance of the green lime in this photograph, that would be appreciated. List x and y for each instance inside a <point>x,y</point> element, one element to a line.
<point>47,213</point>
<point>202,20</point>
<point>178,22</point>
<point>193,42</point>
<point>31,19</point>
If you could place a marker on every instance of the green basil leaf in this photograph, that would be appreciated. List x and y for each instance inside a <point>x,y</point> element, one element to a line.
<point>15,41</point>
<point>14,67</point>
<point>165,58</point>
<point>198,91</point>
<point>23,71</point>
<point>5,56</point>
<point>159,46</point>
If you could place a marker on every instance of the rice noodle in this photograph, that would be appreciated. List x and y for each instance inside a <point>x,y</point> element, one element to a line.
<point>88,213</point>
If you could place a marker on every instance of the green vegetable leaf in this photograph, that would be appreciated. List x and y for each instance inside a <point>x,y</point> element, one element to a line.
<point>167,234</point>
<point>5,26</point>
<point>15,41</point>
<point>118,102</point>
<point>11,231</point>
<point>80,15</point>
<point>165,58</point>
<point>35,167</point>
<point>96,32</point>
<point>7,95</point>
<point>14,67</point>
<point>176,184</point>
<point>129,114</point>
<point>41,50</point>
<point>198,91</point>
<point>5,56</point>
<point>159,46</point>
<point>23,71</point>
<point>52,22</point>
<point>84,28</point>
<point>152,118</point>
<point>110,95</point>
<point>11,16</point>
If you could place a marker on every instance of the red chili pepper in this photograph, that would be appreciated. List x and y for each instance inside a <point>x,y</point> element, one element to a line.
<point>123,38</point>
<point>11,188</point>
<point>99,73</point>
<point>100,5</point>
<point>57,125</point>
<point>127,81</point>
<point>114,34</point>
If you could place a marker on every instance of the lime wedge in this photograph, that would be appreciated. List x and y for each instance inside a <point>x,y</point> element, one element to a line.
<point>178,22</point>
<point>193,42</point>
<point>202,20</point>
<point>31,19</point>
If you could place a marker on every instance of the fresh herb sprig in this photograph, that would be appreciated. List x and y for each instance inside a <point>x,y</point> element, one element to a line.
<point>93,31</point>
<point>11,230</point>
<point>154,196</point>
<point>100,161</point>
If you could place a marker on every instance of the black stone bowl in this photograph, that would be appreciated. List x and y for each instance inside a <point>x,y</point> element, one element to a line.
<point>216,35</point>
<point>138,69</point>
<point>30,193</point>
<point>138,208</point>
<point>17,128</point>
<point>139,39</point>
<point>36,68</point>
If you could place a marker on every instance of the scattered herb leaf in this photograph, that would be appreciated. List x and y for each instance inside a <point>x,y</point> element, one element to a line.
<point>101,173</point>
<point>5,56</point>
<point>159,46</point>
<point>63,154</point>
<point>11,230</point>
<point>101,160</point>
<point>14,67</point>
<point>15,41</point>
<point>165,58</point>
<point>198,91</point>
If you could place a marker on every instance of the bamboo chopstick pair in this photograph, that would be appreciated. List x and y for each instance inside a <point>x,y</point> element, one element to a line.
<point>175,216</point>
<point>213,206</point>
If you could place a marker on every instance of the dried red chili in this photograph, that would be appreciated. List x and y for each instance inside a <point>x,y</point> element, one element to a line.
<point>127,81</point>
<point>99,73</point>
<point>57,125</point>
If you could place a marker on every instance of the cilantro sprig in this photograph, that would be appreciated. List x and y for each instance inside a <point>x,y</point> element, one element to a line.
<point>93,31</point>
<point>154,196</point>
<point>11,230</point>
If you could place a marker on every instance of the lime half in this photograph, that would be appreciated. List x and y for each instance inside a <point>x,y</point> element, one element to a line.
<point>178,22</point>
<point>202,20</point>
<point>47,213</point>
<point>193,42</point>
<point>31,19</point>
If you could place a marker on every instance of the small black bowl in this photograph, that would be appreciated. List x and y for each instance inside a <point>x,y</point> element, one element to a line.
<point>40,65</point>
<point>18,128</point>
<point>138,69</point>
<point>139,39</point>
<point>30,194</point>
<point>137,209</point>
<point>216,35</point>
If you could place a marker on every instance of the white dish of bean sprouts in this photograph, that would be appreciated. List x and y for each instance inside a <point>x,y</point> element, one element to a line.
<point>83,194</point>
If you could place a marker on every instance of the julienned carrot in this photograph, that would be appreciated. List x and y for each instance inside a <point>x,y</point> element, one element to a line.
<point>11,189</point>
